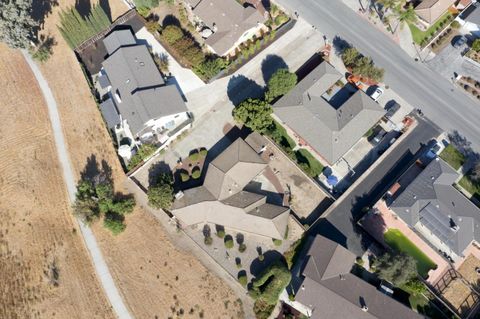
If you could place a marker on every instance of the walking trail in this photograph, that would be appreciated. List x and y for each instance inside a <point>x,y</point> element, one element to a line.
<point>98,261</point>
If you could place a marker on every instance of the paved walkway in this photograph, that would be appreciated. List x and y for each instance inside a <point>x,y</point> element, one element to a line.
<point>185,78</point>
<point>377,225</point>
<point>101,267</point>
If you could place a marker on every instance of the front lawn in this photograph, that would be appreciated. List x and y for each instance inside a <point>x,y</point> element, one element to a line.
<point>420,37</point>
<point>453,157</point>
<point>470,186</point>
<point>396,240</point>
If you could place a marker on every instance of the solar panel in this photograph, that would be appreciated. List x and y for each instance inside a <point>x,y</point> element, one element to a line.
<point>437,223</point>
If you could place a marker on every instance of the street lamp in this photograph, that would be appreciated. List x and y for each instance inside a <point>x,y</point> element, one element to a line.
<point>418,53</point>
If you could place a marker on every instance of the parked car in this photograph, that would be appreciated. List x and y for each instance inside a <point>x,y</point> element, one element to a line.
<point>378,137</point>
<point>459,42</point>
<point>392,107</point>
<point>435,150</point>
<point>377,93</point>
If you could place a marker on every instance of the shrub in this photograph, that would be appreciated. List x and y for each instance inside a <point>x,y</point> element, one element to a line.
<point>160,193</point>
<point>242,279</point>
<point>281,19</point>
<point>211,67</point>
<point>193,157</point>
<point>184,177</point>
<point>220,233</point>
<point>228,242</point>
<point>172,33</point>
<point>359,261</point>
<point>143,152</point>
<point>242,247</point>
<point>208,240</point>
<point>455,25</point>
<point>238,263</point>
<point>277,242</point>
<point>476,45</point>
<point>203,152</point>
<point>196,172</point>
<point>143,11</point>
<point>114,223</point>
<point>190,50</point>
<point>261,257</point>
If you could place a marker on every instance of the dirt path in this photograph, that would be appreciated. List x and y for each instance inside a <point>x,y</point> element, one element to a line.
<point>98,262</point>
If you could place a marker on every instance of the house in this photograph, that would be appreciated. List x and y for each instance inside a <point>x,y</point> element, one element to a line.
<point>432,207</point>
<point>470,19</point>
<point>330,123</point>
<point>223,200</point>
<point>325,288</point>
<point>139,106</point>
<point>430,11</point>
<point>226,23</point>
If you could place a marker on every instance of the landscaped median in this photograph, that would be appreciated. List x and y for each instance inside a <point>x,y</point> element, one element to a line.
<point>399,242</point>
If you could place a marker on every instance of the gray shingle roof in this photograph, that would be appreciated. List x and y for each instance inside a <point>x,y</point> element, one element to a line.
<point>136,80</point>
<point>432,200</point>
<point>229,17</point>
<point>472,14</point>
<point>331,291</point>
<point>330,130</point>
<point>222,200</point>
<point>110,114</point>
<point>117,39</point>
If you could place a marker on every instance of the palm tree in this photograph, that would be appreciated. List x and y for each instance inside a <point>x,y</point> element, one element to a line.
<point>406,16</point>
<point>389,4</point>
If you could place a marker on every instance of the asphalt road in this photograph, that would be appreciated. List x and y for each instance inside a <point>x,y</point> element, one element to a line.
<point>414,81</point>
<point>99,263</point>
<point>340,224</point>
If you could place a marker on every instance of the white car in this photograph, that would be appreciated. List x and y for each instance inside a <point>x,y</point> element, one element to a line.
<point>376,94</point>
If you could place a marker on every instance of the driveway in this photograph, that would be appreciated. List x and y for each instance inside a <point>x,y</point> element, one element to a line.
<point>419,85</point>
<point>450,61</point>
<point>339,223</point>
<point>212,104</point>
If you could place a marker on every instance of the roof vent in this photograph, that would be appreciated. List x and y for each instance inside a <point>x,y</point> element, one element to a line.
<point>142,64</point>
<point>414,196</point>
<point>303,287</point>
<point>432,177</point>
<point>127,81</point>
<point>342,277</point>
<point>364,308</point>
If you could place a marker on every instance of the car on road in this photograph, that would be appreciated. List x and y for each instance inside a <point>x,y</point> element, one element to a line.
<point>460,42</point>
<point>377,93</point>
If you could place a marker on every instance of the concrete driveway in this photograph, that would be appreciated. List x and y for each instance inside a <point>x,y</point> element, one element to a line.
<point>450,61</point>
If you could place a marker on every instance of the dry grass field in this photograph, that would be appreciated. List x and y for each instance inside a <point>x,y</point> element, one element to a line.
<point>155,278</point>
<point>45,271</point>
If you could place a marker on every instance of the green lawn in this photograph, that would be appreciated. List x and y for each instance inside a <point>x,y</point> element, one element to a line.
<point>305,158</point>
<point>280,136</point>
<point>396,240</point>
<point>453,157</point>
<point>419,35</point>
<point>470,186</point>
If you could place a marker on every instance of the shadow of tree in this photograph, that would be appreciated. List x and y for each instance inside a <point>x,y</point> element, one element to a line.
<point>461,143</point>
<point>171,20</point>
<point>240,88</point>
<point>271,64</point>
<point>40,10</point>
<point>105,5</point>
<point>271,256</point>
<point>340,44</point>
<point>83,7</point>
<point>155,170</point>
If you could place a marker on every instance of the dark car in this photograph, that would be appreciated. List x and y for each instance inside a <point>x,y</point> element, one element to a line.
<point>378,137</point>
<point>459,42</point>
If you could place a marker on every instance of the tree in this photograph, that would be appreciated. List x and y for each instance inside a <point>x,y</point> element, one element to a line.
<point>160,194</point>
<point>390,4</point>
<point>172,33</point>
<point>476,45</point>
<point>475,173</point>
<point>350,56</point>
<point>16,23</point>
<point>211,67</point>
<point>406,16</point>
<point>85,205</point>
<point>255,114</point>
<point>228,242</point>
<point>397,268</point>
<point>114,223</point>
<point>281,82</point>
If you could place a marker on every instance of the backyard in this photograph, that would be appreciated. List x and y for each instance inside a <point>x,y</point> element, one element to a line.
<point>471,186</point>
<point>396,240</point>
<point>421,37</point>
<point>453,157</point>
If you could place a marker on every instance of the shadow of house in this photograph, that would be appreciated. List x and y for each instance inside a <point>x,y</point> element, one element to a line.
<point>271,64</point>
<point>271,256</point>
<point>83,7</point>
<point>241,88</point>
<point>328,230</point>
<point>40,10</point>
<point>272,197</point>
<point>317,212</point>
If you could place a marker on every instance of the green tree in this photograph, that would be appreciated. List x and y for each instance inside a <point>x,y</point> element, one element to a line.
<point>476,45</point>
<point>172,33</point>
<point>85,206</point>
<point>143,152</point>
<point>405,16</point>
<point>147,3</point>
<point>397,268</point>
<point>281,82</point>
<point>16,23</point>
<point>350,56</point>
<point>255,114</point>
<point>416,286</point>
<point>44,50</point>
<point>160,194</point>
<point>114,223</point>
<point>210,67</point>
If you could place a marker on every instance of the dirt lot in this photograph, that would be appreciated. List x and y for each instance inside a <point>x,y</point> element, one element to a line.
<point>45,271</point>
<point>144,263</point>
<point>459,295</point>
<point>467,270</point>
